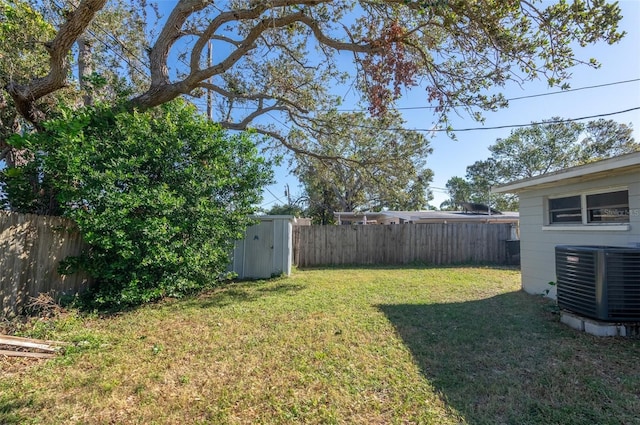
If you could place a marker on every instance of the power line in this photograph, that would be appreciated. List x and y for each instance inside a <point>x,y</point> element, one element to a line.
<point>536,123</point>
<point>118,54</point>
<point>576,89</point>
<point>108,46</point>
<point>277,199</point>
<point>497,127</point>
<point>408,108</point>
<point>268,203</point>
<point>422,130</point>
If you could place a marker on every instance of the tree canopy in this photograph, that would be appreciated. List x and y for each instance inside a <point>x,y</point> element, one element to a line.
<point>539,149</point>
<point>282,56</point>
<point>23,32</point>
<point>364,164</point>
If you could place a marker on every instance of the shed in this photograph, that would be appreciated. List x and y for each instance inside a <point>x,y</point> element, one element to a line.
<point>593,204</point>
<point>266,250</point>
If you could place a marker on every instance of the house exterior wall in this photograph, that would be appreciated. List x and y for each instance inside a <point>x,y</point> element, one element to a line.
<point>538,238</point>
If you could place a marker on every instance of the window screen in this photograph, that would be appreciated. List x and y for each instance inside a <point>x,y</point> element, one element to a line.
<point>565,210</point>
<point>608,207</point>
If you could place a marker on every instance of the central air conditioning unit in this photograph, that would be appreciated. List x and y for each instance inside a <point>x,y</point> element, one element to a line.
<point>600,282</point>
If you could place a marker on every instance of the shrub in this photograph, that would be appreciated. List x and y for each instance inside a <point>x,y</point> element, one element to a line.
<point>160,196</point>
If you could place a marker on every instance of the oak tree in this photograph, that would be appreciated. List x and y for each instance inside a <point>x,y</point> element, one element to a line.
<point>282,56</point>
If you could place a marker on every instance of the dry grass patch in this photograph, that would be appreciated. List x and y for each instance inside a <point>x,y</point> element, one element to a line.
<point>344,346</point>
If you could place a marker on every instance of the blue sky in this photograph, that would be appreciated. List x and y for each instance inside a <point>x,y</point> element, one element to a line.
<point>620,62</point>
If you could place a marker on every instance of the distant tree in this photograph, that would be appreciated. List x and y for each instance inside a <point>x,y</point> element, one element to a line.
<point>535,150</point>
<point>365,164</point>
<point>539,149</point>
<point>556,144</point>
<point>605,139</point>
<point>459,191</point>
<point>293,210</point>
<point>481,176</point>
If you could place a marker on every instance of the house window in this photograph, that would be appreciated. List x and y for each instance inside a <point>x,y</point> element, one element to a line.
<point>607,207</point>
<point>565,210</point>
<point>611,207</point>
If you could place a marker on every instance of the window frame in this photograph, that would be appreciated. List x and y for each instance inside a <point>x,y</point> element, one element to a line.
<point>611,207</point>
<point>585,210</point>
<point>572,209</point>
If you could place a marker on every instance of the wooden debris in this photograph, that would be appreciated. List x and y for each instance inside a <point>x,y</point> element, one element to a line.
<point>13,346</point>
<point>30,354</point>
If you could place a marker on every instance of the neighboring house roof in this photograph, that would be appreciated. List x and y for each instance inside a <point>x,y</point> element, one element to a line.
<point>592,171</point>
<point>425,217</point>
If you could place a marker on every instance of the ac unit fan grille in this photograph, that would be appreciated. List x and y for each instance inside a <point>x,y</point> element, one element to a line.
<point>623,285</point>
<point>576,281</point>
<point>602,282</point>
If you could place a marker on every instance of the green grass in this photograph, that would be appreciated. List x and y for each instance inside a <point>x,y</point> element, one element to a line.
<point>332,346</point>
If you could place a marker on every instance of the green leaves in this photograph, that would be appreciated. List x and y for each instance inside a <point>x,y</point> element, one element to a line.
<point>160,196</point>
<point>363,164</point>
<point>539,149</point>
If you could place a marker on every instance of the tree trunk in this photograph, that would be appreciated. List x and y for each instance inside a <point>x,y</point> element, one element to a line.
<point>84,70</point>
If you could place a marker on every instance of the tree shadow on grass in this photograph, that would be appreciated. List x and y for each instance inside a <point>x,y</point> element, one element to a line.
<point>508,360</point>
<point>244,291</point>
<point>226,293</point>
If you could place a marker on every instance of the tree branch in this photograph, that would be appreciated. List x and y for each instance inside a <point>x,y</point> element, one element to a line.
<point>230,95</point>
<point>25,95</point>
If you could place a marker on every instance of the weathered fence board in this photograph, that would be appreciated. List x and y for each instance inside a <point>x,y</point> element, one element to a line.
<point>433,243</point>
<point>31,248</point>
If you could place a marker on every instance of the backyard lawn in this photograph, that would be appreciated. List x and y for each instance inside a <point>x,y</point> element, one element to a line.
<point>345,346</point>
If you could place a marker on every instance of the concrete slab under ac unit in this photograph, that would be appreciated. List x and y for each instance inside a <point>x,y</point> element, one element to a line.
<point>598,328</point>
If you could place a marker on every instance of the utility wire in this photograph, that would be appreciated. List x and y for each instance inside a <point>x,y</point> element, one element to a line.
<point>576,89</point>
<point>535,123</point>
<point>108,46</point>
<point>457,130</point>
<point>408,108</point>
<point>497,127</point>
<point>144,74</point>
<point>268,203</point>
<point>277,199</point>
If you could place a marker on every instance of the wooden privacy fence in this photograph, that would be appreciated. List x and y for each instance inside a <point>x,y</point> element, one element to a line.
<point>31,248</point>
<point>433,243</point>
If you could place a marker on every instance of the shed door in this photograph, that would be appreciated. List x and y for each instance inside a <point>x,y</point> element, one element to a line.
<point>258,256</point>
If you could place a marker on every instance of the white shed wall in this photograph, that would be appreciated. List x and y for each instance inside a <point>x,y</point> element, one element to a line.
<point>266,250</point>
<point>537,245</point>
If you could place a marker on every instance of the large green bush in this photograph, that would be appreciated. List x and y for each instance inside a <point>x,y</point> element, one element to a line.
<point>160,196</point>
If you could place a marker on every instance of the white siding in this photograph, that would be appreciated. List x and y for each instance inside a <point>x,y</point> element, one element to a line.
<point>538,242</point>
<point>266,250</point>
